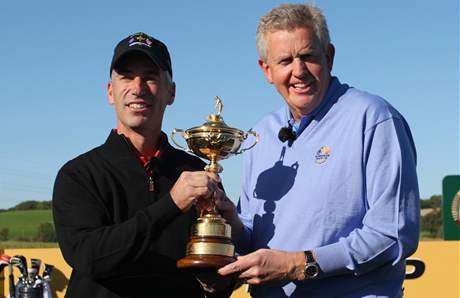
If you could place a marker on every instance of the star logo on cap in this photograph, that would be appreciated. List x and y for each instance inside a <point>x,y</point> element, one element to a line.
<point>140,39</point>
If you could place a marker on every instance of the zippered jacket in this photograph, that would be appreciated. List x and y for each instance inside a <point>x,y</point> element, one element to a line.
<point>121,238</point>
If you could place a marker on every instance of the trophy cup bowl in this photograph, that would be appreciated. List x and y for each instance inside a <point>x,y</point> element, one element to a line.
<point>210,246</point>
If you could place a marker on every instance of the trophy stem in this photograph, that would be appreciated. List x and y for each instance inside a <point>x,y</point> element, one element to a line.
<point>213,166</point>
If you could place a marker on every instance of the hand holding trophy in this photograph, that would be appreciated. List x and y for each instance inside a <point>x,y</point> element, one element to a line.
<point>210,245</point>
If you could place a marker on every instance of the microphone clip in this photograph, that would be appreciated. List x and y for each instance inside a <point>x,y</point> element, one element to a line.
<point>287,134</point>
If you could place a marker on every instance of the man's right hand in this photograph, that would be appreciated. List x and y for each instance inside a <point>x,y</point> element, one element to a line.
<point>193,186</point>
<point>267,265</point>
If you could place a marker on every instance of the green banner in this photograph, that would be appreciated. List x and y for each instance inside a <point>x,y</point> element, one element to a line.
<point>450,207</point>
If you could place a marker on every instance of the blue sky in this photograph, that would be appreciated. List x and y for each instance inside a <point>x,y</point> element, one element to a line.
<point>54,61</point>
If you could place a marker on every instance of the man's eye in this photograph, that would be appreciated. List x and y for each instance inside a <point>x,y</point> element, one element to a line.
<point>151,81</point>
<point>285,61</point>
<point>311,57</point>
<point>306,57</point>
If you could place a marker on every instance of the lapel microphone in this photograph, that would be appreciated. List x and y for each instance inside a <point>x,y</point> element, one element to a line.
<point>287,134</point>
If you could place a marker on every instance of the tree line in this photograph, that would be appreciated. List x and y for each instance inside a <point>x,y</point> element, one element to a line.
<point>45,231</point>
<point>431,224</point>
<point>432,202</point>
<point>30,205</point>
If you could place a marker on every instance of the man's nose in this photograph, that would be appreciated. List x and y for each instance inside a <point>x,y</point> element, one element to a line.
<point>139,85</point>
<point>299,68</point>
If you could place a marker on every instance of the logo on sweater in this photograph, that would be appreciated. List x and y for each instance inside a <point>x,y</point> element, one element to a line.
<point>322,154</point>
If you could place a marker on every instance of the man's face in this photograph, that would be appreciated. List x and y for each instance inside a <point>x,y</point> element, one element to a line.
<point>140,92</point>
<point>298,67</point>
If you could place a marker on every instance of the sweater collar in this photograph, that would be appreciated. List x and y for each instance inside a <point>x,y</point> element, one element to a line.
<point>335,90</point>
<point>119,148</point>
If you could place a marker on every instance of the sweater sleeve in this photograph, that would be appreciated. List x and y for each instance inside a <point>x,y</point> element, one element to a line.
<point>90,242</point>
<point>390,228</point>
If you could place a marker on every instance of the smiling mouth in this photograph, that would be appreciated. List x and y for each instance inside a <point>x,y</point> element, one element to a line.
<point>136,106</point>
<point>302,87</point>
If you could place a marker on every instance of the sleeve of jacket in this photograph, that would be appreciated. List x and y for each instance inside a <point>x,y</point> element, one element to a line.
<point>390,228</point>
<point>90,242</point>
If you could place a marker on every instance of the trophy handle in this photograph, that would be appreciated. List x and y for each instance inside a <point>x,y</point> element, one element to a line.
<point>173,133</point>
<point>255,134</point>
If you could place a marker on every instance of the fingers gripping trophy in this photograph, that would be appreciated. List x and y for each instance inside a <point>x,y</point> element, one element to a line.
<point>210,246</point>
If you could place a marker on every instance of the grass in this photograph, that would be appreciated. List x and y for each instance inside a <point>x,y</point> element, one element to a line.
<point>23,224</point>
<point>26,244</point>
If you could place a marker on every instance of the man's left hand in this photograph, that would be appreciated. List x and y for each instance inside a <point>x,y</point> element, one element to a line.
<point>266,265</point>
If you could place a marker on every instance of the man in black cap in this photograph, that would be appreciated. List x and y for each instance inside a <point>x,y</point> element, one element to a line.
<point>123,210</point>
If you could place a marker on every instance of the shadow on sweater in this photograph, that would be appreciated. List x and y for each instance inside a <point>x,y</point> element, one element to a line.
<point>272,184</point>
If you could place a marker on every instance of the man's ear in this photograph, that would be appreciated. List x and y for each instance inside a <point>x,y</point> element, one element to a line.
<point>110,98</point>
<point>172,93</point>
<point>330,56</point>
<point>266,70</point>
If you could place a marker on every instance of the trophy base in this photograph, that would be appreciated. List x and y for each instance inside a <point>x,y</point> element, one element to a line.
<point>210,246</point>
<point>199,263</point>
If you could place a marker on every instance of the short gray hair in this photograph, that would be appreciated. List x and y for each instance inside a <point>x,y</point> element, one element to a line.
<point>289,17</point>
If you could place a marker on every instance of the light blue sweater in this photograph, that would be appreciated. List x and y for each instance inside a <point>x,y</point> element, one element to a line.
<point>346,189</point>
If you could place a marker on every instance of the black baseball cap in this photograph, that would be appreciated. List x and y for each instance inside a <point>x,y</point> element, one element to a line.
<point>141,42</point>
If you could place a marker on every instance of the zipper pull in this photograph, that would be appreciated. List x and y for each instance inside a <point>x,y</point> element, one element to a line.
<point>151,184</point>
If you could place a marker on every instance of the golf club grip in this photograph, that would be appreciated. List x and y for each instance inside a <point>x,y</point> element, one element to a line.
<point>11,285</point>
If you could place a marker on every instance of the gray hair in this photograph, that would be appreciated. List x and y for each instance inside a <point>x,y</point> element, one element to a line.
<point>289,17</point>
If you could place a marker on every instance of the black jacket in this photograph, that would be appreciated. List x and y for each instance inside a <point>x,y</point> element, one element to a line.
<point>121,239</point>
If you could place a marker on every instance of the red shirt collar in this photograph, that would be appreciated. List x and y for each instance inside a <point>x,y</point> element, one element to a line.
<point>144,159</point>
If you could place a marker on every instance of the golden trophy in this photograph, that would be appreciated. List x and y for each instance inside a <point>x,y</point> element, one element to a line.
<point>210,245</point>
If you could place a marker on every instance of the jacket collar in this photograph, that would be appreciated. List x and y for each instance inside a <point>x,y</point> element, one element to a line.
<point>119,149</point>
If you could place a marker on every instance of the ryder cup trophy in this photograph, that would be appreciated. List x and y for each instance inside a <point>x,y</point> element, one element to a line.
<point>210,245</point>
